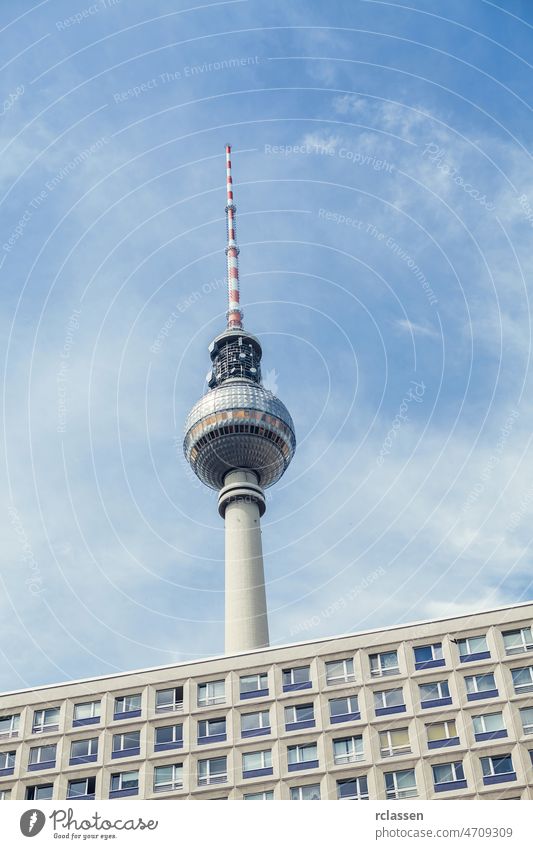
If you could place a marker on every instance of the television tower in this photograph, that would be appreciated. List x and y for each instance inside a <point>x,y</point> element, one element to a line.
<point>239,439</point>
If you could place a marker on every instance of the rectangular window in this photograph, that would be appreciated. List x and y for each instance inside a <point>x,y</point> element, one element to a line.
<point>81,788</point>
<point>523,679</point>
<point>167,778</point>
<point>441,733</point>
<point>259,797</point>
<point>43,757</point>
<point>352,788</point>
<point>84,750</point>
<point>347,750</point>
<point>87,713</point>
<point>253,761</point>
<point>310,791</point>
<point>518,641</point>
<point>394,742</point>
<point>212,730</point>
<point>126,783</point>
<point>340,671</point>
<point>489,725</point>
<point>212,771</point>
<point>7,760</point>
<point>169,700</point>
<point>344,710</point>
<point>253,685</point>
<point>126,745</point>
<point>526,716</point>
<point>128,704</point>
<point>4,795</point>
<point>255,723</point>
<point>40,791</point>
<point>473,648</point>
<point>429,656</point>
<point>297,678</point>
<point>45,720</point>
<point>449,774</point>
<point>480,686</point>
<point>389,701</point>
<point>434,691</point>
<point>302,756</point>
<point>400,784</point>
<point>211,693</point>
<point>384,663</point>
<point>9,725</point>
<point>299,716</point>
<point>168,737</point>
<point>497,768</point>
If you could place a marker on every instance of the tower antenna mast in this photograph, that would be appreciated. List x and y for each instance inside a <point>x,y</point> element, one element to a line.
<point>234,314</point>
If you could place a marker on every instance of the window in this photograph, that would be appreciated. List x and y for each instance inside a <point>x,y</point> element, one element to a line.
<point>497,768</point>
<point>81,788</point>
<point>389,701</point>
<point>212,693</point>
<point>428,656</point>
<point>473,648</point>
<point>451,773</point>
<point>125,783</point>
<point>45,720</point>
<point>299,716</point>
<point>212,771</point>
<point>347,750</point>
<point>310,791</point>
<point>256,762</point>
<point>384,663</point>
<point>168,737</point>
<point>211,730</point>
<point>253,685</point>
<point>394,742</point>
<point>523,679</point>
<point>167,778</point>
<point>87,713</point>
<point>84,750</point>
<point>352,788</point>
<point>340,671</point>
<point>343,710</point>
<point>169,700</point>
<point>297,678</point>
<point>437,692</point>
<point>40,791</point>
<point>302,757</point>
<point>400,784</point>
<point>526,715</point>
<point>442,733</point>
<point>126,745</point>
<point>7,761</point>
<point>4,795</point>
<point>489,725</point>
<point>127,704</point>
<point>518,641</point>
<point>42,757</point>
<point>480,686</point>
<point>259,797</point>
<point>253,724</point>
<point>9,725</point>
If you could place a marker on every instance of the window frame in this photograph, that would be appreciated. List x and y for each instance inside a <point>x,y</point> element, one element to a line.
<point>347,677</point>
<point>355,749</point>
<point>14,725</point>
<point>210,700</point>
<point>396,792</point>
<point>212,777</point>
<point>457,771</point>
<point>391,750</point>
<point>121,779</point>
<point>377,669</point>
<point>176,782</point>
<point>45,727</point>
<point>82,780</point>
<point>297,793</point>
<point>175,705</point>
<point>526,644</point>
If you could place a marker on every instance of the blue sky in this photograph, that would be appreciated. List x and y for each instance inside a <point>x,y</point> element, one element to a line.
<point>385,212</point>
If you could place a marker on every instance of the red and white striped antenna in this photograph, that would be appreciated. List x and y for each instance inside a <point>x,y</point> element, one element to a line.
<point>234,314</point>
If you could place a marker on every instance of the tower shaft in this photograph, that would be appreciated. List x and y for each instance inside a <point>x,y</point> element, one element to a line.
<point>241,502</point>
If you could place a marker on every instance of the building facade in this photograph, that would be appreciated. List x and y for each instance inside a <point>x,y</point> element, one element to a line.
<point>432,710</point>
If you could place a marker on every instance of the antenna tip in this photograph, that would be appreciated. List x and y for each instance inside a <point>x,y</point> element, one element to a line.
<point>228,148</point>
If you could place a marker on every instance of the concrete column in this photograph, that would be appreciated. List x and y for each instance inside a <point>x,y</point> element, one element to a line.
<point>242,503</point>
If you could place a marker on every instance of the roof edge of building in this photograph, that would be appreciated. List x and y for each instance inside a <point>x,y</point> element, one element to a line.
<point>281,646</point>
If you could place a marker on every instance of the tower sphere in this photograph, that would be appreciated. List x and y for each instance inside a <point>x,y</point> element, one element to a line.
<point>239,425</point>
